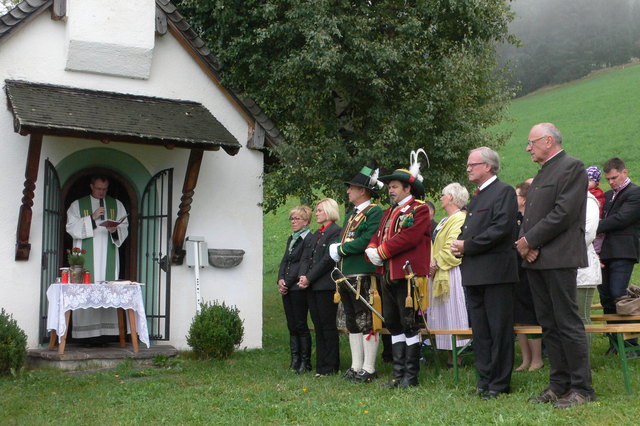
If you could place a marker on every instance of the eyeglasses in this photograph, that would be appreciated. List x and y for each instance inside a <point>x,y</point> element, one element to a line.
<point>530,142</point>
<point>295,219</point>
<point>472,165</point>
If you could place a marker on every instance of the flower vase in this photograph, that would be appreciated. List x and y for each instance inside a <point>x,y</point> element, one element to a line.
<point>76,274</point>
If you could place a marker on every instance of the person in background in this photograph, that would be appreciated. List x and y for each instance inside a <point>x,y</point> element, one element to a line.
<point>490,271</point>
<point>447,307</point>
<point>317,277</point>
<point>594,174</point>
<point>294,297</point>
<point>530,345</point>
<point>432,213</point>
<point>591,276</point>
<point>621,227</point>
<point>84,219</point>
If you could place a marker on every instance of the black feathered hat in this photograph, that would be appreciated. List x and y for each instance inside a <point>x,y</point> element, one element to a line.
<point>368,178</point>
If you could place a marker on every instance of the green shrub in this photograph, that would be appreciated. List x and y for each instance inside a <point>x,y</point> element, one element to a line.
<point>13,344</point>
<point>216,331</point>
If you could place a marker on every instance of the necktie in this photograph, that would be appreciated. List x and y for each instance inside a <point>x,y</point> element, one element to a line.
<point>477,191</point>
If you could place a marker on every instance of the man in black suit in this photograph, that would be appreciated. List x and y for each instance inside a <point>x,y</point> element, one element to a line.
<point>621,226</point>
<point>553,247</point>
<point>489,271</point>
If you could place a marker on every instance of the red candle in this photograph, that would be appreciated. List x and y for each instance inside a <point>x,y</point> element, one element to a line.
<point>64,276</point>
<point>87,277</point>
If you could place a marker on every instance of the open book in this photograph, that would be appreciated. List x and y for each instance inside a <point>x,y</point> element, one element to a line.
<point>112,223</point>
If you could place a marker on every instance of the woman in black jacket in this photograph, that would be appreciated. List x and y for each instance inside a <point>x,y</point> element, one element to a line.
<point>318,278</point>
<point>294,297</point>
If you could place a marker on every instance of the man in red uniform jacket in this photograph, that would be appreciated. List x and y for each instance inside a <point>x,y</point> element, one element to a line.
<point>404,234</point>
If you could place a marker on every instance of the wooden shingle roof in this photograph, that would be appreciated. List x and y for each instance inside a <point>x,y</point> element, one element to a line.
<point>108,116</point>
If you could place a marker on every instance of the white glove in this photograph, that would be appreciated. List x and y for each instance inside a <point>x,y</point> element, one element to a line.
<point>333,252</point>
<point>374,257</point>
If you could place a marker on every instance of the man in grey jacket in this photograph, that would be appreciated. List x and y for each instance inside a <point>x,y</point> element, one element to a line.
<point>552,245</point>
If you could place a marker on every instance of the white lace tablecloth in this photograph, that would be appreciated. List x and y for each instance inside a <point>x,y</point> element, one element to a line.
<point>65,297</point>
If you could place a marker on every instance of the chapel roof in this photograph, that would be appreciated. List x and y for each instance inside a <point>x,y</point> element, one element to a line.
<point>111,116</point>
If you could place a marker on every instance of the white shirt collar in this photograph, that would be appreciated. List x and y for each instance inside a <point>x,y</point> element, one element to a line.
<point>487,182</point>
<point>405,200</point>
<point>362,206</point>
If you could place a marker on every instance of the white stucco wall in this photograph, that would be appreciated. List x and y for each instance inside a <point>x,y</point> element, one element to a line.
<point>110,37</point>
<point>225,208</point>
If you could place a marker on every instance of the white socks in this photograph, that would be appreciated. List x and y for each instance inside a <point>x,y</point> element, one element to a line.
<point>370,352</point>
<point>398,338</point>
<point>357,351</point>
<point>413,340</point>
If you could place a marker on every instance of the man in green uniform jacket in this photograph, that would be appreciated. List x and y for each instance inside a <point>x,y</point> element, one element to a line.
<point>359,226</point>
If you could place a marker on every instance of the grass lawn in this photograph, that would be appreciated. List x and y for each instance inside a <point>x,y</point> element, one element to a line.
<point>255,386</point>
<point>596,115</point>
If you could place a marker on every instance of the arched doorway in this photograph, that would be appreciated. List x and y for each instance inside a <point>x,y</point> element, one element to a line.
<point>145,254</point>
<point>120,188</point>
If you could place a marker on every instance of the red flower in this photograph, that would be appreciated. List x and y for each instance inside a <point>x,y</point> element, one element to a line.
<point>84,251</point>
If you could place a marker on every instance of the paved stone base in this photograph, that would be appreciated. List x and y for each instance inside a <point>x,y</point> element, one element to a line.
<point>77,357</point>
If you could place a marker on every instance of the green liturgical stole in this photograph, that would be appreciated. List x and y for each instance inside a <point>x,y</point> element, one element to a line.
<point>87,244</point>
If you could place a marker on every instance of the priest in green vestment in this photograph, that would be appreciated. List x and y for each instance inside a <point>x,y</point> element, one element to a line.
<point>84,219</point>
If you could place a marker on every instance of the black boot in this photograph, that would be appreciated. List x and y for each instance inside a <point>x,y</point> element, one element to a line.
<point>411,366</point>
<point>398,362</point>
<point>294,345</point>
<point>305,354</point>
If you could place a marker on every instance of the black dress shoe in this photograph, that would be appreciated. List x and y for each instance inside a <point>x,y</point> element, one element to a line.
<point>364,376</point>
<point>349,374</point>
<point>492,394</point>
<point>479,391</point>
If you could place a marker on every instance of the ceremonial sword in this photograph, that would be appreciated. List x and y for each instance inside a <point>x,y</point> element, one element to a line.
<point>343,279</point>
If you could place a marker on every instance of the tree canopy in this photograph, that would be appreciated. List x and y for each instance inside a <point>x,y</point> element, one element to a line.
<point>349,81</point>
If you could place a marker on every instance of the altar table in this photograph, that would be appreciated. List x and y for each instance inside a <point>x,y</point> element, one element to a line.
<point>64,298</point>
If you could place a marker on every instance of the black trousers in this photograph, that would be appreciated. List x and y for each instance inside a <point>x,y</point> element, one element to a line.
<point>491,311</point>
<point>296,309</point>
<point>323,314</point>
<point>555,299</point>
<point>397,317</point>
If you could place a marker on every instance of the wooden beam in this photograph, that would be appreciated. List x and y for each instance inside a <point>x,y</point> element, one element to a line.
<point>256,137</point>
<point>59,10</point>
<point>190,181</point>
<point>23,248</point>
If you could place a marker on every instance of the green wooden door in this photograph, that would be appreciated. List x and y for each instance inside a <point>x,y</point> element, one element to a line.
<point>154,251</point>
<point>51,240</point>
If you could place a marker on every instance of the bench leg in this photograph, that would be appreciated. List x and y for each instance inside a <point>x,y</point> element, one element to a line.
<point>623,361</point>
<point>454,356</point>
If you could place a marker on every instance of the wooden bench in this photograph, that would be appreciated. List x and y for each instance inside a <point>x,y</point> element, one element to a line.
<point>623,332</point>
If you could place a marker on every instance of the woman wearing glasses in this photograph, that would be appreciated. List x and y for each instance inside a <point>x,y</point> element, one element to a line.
<point>294,297</point>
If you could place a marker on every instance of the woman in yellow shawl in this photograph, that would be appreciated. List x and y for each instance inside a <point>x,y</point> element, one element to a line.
<point>447,308</point>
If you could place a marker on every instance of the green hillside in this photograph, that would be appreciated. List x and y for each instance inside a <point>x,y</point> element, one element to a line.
<point>597,116</point>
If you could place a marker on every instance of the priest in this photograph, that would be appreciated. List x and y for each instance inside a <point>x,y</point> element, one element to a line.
<point>92,223</point>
